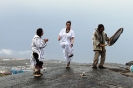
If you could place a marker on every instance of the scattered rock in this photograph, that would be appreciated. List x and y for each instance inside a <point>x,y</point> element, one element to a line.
<point>129,74</point>
<point>129,63</point>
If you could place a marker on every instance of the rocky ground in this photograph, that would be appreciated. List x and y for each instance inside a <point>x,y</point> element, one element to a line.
<point>115,76</point>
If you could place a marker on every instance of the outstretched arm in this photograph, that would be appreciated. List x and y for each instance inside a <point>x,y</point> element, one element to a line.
<point>72,40</point>
<point>40,43</point>
<point>106,37</point>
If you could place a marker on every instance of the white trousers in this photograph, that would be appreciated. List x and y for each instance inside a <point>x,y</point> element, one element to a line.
<point>67,50</point>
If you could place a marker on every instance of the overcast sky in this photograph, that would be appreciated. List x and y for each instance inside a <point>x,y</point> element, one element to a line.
<point>19,20</point>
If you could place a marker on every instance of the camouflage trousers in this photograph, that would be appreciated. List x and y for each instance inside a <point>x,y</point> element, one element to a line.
<point>96,58</point>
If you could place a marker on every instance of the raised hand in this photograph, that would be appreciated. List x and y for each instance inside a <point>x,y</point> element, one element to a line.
<point>45,40</point>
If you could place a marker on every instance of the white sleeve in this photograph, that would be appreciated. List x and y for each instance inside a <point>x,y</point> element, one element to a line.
<point>40,43</point>
<point>60,33</point>
<point>73,34</point>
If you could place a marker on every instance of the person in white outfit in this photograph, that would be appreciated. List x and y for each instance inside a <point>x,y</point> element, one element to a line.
<point>66,38</point>
<point>37,55</point>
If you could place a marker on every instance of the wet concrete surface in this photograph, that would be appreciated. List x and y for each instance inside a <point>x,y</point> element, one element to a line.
<point>60,77</point>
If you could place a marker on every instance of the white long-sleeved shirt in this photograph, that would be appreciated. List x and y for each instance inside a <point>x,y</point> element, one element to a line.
<point>37,46</point>
<point>66,37</point>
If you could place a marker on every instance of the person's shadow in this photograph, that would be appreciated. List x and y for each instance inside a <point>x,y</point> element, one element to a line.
<point>68,71</point>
